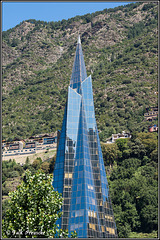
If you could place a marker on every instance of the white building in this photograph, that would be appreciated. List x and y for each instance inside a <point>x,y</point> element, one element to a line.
<point>119,135</point>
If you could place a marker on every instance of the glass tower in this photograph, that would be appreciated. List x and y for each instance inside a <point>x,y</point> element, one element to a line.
<point>79,172</point>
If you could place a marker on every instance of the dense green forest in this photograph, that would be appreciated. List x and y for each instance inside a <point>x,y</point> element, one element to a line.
<point>132,167</point>
<point>120,48</point>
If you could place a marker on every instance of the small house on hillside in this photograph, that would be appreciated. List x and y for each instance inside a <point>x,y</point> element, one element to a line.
<point>40,137</point>
<point>152,113</point>
<point>16,146</point>
<point>153,128</point>
<point>49,140</point>
<point>30,145</point>
<point>118,136</point>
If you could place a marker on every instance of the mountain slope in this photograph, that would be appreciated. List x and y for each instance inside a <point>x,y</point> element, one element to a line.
<point>120,48</point>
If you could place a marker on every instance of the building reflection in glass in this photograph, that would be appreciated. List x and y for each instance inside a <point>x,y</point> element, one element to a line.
<point>79,172</point>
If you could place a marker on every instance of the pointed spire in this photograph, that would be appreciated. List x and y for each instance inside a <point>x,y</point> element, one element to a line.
<point>79,40</point>
<point>79,70</point>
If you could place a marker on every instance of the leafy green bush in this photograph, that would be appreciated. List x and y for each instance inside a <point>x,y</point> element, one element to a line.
<point>126,81</point>
<point>132,93</point>
<point>5,190</point>
<point>136,30</point>
<point>19,169</point>
<point>23,216</point>
<point>148,6</point>
<point>45,167</point>
<point>36,164</point>
<point>15,42</point>
<point>13,174</point>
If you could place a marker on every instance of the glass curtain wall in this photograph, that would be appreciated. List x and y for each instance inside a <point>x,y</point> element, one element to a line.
<point>79,172</point>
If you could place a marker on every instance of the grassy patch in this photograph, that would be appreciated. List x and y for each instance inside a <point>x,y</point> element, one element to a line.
<point>153,234</point>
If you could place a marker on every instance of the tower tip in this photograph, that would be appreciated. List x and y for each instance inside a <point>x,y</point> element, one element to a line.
<point>79,40</point>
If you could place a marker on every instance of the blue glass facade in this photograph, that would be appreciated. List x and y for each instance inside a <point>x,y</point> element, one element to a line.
<point>79,172</point>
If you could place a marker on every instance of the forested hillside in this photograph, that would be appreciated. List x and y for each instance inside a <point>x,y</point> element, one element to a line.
<point>132,169</point>
<point>120,48</point>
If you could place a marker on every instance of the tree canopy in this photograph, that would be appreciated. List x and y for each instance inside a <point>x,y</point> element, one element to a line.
<point>33,209</point>
<point>133,183</point>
